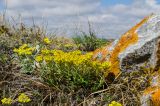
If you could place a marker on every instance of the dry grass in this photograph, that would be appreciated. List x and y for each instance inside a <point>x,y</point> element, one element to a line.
<point>126,89</point>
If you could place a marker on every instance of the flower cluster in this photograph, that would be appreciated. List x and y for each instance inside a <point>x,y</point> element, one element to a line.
<point>6,101</point>
<point>114,103</point>
<point>76,68</point>
<point>23,98</point>
<point>46,40</point>
<point>24,50</point>
<point>73,58</point>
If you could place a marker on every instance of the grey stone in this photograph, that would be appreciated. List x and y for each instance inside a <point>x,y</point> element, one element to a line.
<point>144,53</point>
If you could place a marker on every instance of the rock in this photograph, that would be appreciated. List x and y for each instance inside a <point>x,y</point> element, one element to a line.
<point>138,47</point>
<point>145,51</point>
<point>151,94</point>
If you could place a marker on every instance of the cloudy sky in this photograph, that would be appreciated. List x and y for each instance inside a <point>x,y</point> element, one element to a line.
<point>109,18</point>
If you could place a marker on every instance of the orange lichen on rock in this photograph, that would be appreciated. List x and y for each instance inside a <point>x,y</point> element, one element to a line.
<point>153,91</point>
<point>151,96</point>
<point>131,37</point>
<point>156,98</point>
<point>150,90</point>
<point>103,52</point>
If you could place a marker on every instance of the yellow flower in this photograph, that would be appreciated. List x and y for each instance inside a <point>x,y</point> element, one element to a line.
<point>28,53</point>
<point>39,58</point>
<point>77,52</point>
<point>6,101</point>
<point>48,58</point>
<point>23,46</point>
<point>106,65</point>
<point>46,40</point>
<point>57,52</point>
<point>15,50</point>
<point>45,51</point>
<point>114,103</point>
<point>24,50</point>
<point>23,98</point>
<point>89,55</point>
<point>71,58</point>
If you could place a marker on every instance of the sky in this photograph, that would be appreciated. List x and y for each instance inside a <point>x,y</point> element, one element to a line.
<point>109,18</point>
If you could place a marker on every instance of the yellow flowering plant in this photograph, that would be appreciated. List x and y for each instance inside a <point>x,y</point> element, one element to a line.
<point>75,68</point>
<point>25,55</point>
<point>23,98</point>
<point>6,101</point>
<point>114,103</point>
<point>24,50</point>
<point>46,40</point>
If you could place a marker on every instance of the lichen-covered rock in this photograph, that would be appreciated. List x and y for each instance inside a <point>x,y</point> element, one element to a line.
<point>151,95</point>
<point>146,50</point>
<point>139,47</point>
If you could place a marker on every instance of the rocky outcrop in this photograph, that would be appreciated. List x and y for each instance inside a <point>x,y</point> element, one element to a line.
<point>144,53</point>
<point>137,48</point>
<point>151,95</point>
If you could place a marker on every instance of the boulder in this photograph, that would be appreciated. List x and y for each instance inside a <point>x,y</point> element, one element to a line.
<point>145,52</point>
<point>139,47</point>
<point>151,95</point>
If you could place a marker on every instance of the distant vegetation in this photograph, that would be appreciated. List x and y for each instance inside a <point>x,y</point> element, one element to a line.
<point>89,41</point>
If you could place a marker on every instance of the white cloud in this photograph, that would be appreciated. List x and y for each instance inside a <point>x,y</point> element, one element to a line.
<point>151,2</point>
<point>111,21</point>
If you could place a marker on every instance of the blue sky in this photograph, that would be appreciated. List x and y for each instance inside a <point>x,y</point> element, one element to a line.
<point>114,2</point>
<point>1,5</point>
<point>109,18</point>
<point>158,1</point>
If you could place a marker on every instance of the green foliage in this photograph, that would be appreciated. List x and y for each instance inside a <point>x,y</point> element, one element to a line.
<point>72,78</point>
<point>25,56</point>
<point>89,41</point>
<point>64,70</point>
<point>71,70</point>
<point>27,65</point>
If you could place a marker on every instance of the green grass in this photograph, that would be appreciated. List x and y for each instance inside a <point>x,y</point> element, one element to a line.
<point>89,41</point>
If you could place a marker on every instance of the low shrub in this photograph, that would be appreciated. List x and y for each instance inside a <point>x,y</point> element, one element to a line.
<point>22,100</point>
<point>72,70</point>
<point>64,70</point>
<point>26,58</point>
